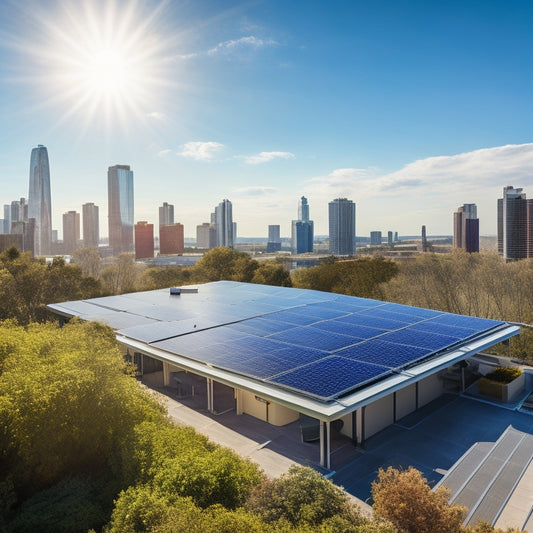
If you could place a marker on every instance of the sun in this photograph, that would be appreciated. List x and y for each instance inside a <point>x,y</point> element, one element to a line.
<point>101,61</point>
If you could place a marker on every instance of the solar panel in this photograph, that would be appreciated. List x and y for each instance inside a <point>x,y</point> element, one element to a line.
<point>353,330</point>
<point>293,317</point>
<point>453,331</point>
<point>423,339</point>
<point>384,353</point>
<point>478,324</point>
<point>314,338</point>
<point>330,377</point>
<point>381,312</point>
<point>155,331</point>
<point>410,311</point>
<point>296,356</point>
<point>372,321</point>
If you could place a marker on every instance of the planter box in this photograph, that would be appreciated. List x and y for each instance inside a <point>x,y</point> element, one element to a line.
<point>501,391</point>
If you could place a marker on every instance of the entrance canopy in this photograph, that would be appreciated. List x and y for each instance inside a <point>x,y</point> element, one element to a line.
<point>320,353</point>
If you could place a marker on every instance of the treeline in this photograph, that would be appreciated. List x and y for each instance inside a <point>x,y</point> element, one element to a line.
<point>83,447</point>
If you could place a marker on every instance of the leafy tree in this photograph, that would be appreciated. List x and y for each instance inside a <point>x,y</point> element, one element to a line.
<point>122,276</point>
<point>301,496</point>
<point>405,498</point>
<point>223,263</point>
<point>88,259</point>
<point>167,276</point>
<point>272,273</point>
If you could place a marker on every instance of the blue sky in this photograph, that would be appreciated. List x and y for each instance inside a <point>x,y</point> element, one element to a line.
<point>408,108</point>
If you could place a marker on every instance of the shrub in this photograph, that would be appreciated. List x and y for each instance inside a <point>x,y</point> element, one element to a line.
<point>504,374</point>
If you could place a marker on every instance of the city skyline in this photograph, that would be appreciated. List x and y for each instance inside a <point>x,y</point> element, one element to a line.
<point>409,109</point>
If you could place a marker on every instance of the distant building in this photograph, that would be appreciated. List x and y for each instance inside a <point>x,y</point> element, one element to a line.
<point>396,239</point>
<point>424,240</point>
<point>22,236</point>
<point>91,225</point>
<point>206,236</point>
<point>120,208</point>
<point>302,230</point>
<point>342,227</point>
<point>144,240</point>
<point>171,240</point>
<point>71,231</point>
<point>166,214</point>
<point>466,228</point>
<point>274,239</point>
<point>515,224</point>
<point>375,238</point>
<point>39,200</point>
<point>224,224</point>
<point>389,238</point>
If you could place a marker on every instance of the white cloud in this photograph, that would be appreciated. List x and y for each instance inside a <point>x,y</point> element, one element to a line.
<point>157,115</point>
<point>163,153</point>
<point>255,191</point>
<point>201,151</point>
<point>264,157</point>
<point>244,42</point>
<point>232,46</point>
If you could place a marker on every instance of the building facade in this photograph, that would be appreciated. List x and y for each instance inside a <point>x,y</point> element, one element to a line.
<point>342,227</point>
<point>224,224</point>
<point>171,239</point>
<point>206,236</point>
<point>144,240</point>
<point>39,200</point>
<point>120,208</point>
<point>375,238</point>
<point>515,224</point>
<point>166,214</point>
<point>274,239</point>
<point>91,225</point>
<point>466,228</point>
<point>302,230</point>
<point>71,231</point>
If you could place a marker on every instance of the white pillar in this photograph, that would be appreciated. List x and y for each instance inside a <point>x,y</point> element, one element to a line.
<point>328,445</point>
<point>166,374</point>
<point>322,446</point>
<point>210,403</point>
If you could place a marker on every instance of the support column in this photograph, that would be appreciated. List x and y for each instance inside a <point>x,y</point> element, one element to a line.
<point>416,395</point>
<point>166,374</point>
<point>394,407</point>
<point>328,445</point>
<point>325,444</point>
<point>363,412</point>
<point>322,447</point>
<point>238,402</point>
<point>210,402</point>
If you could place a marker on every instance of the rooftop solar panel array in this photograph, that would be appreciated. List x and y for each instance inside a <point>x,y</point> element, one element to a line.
<point>318,344</point>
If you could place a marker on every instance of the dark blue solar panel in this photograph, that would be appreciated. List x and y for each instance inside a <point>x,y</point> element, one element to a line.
<point>330,377</point>
<point>380,312</point>
<point>257,345</point>
<point>479,324</point>
<point>423,339</point>
<point>260,366</point>
<point>293,317</point>
<point>314,338</point>
<point>323,310</point>
<point>295,356</point>
<point>360,332</point>
<point>372,321</point>
<point>356,301</point>
<point>411,311</point>
<point>384,353</point>
<point>433,327</point>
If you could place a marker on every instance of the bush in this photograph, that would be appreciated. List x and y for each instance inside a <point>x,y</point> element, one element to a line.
<point>504,374</point>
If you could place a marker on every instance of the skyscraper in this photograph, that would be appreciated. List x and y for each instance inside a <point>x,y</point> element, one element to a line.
<point>274,240</point>
<point>302,230</point>
<point>342,227</point>
<point>91,225</point>
<point>71,231</point>
<point>39,201</point>
<point>171,239</point>
<point>224,223</point>
<point>120,208</point>
<point>466,228</point>
<point>375,238</point>
<point>515,224</point>
<point>166,214</point>
<point>206,236</point>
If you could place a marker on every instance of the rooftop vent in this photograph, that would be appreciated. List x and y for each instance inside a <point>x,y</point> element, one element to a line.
<point>183,290</point>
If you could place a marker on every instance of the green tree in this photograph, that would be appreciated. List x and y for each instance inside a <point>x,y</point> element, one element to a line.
<point>88,259</point>
<point>223,263</point>
<point>272,273</point>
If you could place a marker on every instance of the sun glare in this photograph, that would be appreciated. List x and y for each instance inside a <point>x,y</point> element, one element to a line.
<point>101,60</point>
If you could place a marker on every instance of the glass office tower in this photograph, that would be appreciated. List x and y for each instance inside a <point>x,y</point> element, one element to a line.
<point>120,208</point>
<point>39,201</point>
<point>342,227</point>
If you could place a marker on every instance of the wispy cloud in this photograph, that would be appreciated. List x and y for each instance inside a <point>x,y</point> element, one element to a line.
<point>163,153</point>
<point>231,46</point>
<point>157,115</point>
<point>265,157</point>
<point>255,191</point>
<point>201,151</point>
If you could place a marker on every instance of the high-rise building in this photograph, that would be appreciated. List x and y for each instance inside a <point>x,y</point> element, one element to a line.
<point>39,200</point>
<point>466,228</point>
<point>424,240</point>
<point>91,225</point>
<point>274,239</point>
<point>120,208</point>
<point>224,224</point>
<point>71,231</point>
<point>302,230</point>
<point>303,209</point>
<point>375,238</point>
<point>342,227</point>
<point>171,240</point>
<point>515,224</point>
<point>389,238</point>
<point>144,240</point>
<point>166,214</point>
<point>206,236</point>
